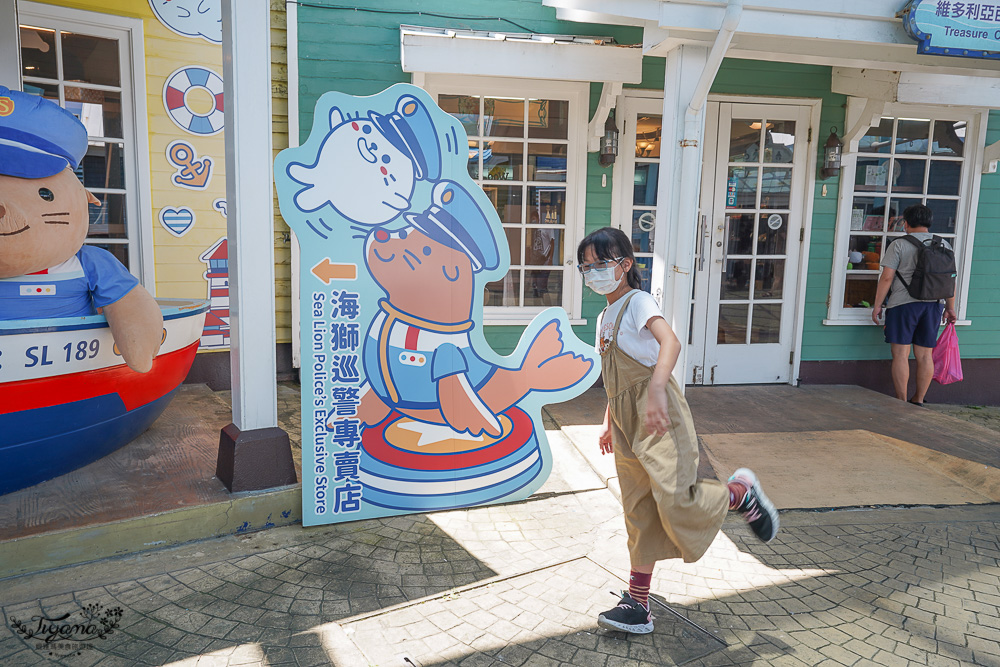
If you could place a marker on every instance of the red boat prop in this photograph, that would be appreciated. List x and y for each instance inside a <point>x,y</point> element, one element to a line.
<point>67,398</point>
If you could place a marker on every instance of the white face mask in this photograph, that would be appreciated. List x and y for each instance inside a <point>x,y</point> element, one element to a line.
<point>603,281</point>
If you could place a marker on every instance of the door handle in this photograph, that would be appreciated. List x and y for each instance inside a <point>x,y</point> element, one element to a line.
<point>702,232</point>
<point>725,245</point>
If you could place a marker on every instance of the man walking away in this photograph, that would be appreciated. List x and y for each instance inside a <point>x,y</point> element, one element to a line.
<point>910,320</point>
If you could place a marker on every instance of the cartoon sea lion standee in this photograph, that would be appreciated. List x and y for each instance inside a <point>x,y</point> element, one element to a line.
<point>46,271</point>
<point>409,408</point>
<point>418,356</point>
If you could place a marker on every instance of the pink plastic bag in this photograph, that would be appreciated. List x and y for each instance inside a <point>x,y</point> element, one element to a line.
<point>947,361</point>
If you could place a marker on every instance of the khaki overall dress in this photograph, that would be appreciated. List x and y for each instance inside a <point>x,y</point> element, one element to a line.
<point>669,512</point>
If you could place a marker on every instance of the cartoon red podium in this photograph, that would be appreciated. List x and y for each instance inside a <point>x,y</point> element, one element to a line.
<point>88,359</point>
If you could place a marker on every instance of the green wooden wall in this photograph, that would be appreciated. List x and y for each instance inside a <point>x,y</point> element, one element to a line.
<point>358,52</point>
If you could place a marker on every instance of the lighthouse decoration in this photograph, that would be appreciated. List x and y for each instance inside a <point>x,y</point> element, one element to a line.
<point>216,334</point>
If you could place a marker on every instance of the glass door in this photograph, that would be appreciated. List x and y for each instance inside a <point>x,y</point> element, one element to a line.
<point>753,199</point>
<point>639,173</point>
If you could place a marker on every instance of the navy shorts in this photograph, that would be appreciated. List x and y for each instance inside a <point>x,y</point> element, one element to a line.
<point>913,323</point>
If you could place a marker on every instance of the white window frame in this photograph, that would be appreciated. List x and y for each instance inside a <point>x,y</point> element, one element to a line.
<point>578,96</point>
<point>131,57</point>
<point>975,138</point>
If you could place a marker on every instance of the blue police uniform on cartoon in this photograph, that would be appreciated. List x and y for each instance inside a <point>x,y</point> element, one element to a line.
<point>39,139</point>
<point>405,356</point>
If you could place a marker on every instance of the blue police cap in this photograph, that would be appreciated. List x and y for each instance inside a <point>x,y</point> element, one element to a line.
<point>454,219</point>
<point>38,138</point>
<point>411,130</point>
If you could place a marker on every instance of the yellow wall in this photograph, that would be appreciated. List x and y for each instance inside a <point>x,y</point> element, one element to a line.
<point>179,271</point>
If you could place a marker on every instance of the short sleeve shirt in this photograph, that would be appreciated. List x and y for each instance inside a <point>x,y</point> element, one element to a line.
<point>902,256</point>
<point>634,338</point>
<point>93,278</point>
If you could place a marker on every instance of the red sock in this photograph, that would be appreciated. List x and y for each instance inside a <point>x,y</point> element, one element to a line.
<point>737,491</point>
<point>638,587</point>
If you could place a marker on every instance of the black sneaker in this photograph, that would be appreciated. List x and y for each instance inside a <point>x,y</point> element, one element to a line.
<point>628,616</point>
<point>756,508</point>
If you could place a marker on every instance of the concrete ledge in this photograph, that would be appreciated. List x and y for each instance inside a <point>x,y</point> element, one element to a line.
<point>243,513</point>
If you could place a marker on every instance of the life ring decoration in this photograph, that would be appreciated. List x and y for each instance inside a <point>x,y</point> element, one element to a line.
<point>177,94</point>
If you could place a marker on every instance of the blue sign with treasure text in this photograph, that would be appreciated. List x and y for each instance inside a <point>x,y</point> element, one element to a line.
<point>946,28</point>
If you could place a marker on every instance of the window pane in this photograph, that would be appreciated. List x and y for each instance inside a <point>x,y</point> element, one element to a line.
<point>547,162</point>
<point>645,266</point>
<point>38,53</point>
<point>896,208</point>
<point>647,136</point>
<point>733,324</point>
<point>463,107</point>
<point>474,159</point>
<point>548,119</point>
<point>908,175</point>
<point>544,288</point>
<point>945,212</point>
<point>779,141</point>
<point>108,220</point>
<point>872,174</point>
<point>868,214</point>
<point>945,178</point>
<point>865,252</point>
<point>860,290</point>
<point>776,188</point>
<point>878,139</point>
<point>740,234</point>
<point>103,166</point>
<point>503,117</point>
<point>506,200</point>
<point>766,327</point>
<point>43,90</point>
<point>911,135</point>
<point>544,246</point>
<point>744,140</point>
<point>644,190</point>
<point>643,230</point>
<point>550,202</point>
<point>504,292</point>
<point>769,282</point>
<point>98,110</point>
<point>735,280</point>
<point>505,161</point>
<point>119,250</point>
<point>773,235</point>
<point>513,235</point>
<point>90,59</point>
<point>949,138</point>
<point>741,188</point>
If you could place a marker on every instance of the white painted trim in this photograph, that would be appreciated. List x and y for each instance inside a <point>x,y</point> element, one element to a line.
<point>10,37</point>
<point>578,95</point>
<point>450,53</point>
<point>139,209</point>
<point>292,55</point>
<point>968,197</point>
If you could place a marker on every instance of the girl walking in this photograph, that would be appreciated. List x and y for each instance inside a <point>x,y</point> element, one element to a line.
<point>669,512</point>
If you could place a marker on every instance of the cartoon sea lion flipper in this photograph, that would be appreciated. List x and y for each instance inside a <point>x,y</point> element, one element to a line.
<point>551,368</point>
<point>372,410</point>
<point>462,408</point>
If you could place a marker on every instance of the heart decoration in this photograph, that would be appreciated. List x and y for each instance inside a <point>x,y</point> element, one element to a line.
<point>177,220</point>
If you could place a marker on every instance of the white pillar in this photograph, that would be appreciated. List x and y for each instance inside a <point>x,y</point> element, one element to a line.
<point>10,46</point>
<point>253,452</point>
<point>678,194</point>
<point>250,214</point>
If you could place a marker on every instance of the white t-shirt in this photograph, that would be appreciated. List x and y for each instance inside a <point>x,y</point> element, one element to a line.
<point>634,338</point>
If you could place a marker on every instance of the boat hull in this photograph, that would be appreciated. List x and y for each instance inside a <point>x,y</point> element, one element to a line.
<point>53,424</point>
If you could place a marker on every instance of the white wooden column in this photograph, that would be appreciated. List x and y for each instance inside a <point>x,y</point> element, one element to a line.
<point>10,46</point>
<point>249,212</point>
<point>678,195</point>
<point>253,452</point>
